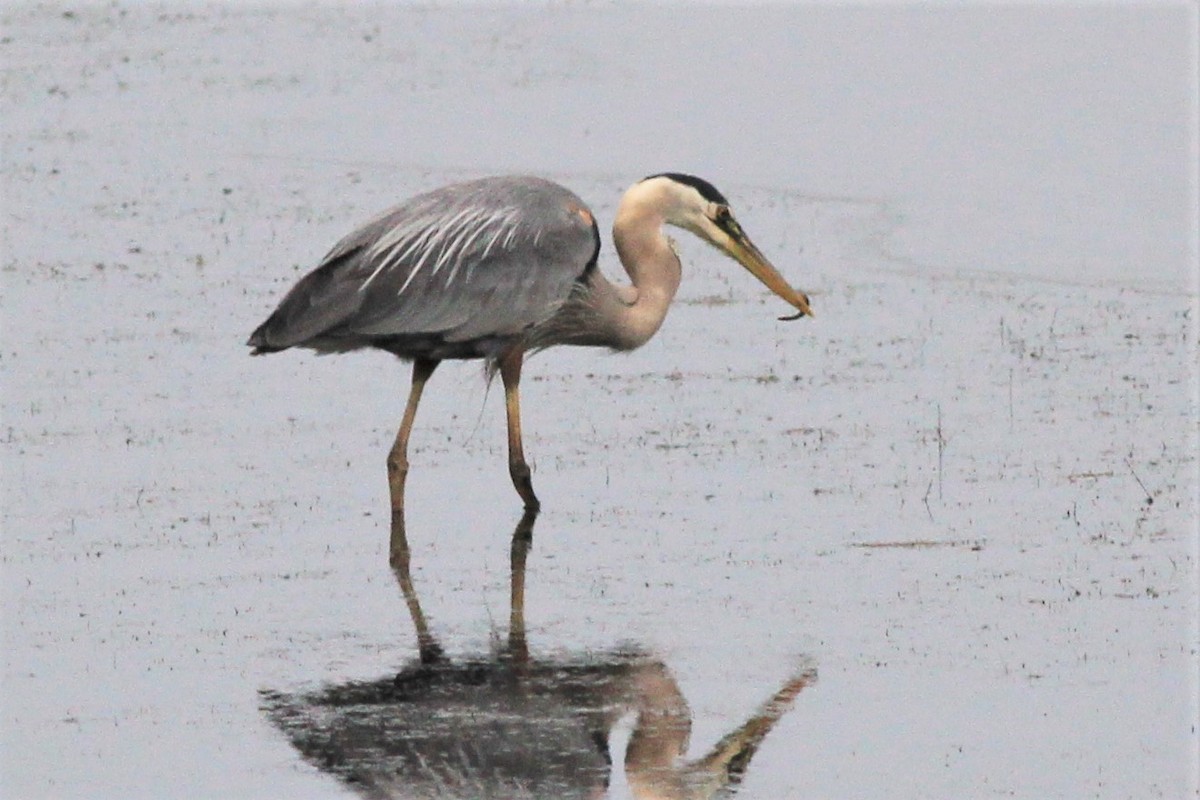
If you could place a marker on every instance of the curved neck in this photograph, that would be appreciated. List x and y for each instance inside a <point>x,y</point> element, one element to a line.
<point>636,312</point>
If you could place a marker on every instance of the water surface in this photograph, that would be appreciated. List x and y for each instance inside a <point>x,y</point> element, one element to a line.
<point>964,493</point>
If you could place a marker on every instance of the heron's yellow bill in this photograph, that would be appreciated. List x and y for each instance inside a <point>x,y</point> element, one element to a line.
<point>750,257</point>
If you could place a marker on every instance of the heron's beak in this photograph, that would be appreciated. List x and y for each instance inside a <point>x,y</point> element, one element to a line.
<point>743,250</point>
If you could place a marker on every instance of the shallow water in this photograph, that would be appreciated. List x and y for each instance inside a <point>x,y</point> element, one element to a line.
<point>964,492</point>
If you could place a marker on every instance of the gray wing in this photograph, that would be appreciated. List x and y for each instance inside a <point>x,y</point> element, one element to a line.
<point>484,259</point>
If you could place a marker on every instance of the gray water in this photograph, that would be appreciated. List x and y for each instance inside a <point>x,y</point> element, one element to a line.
<point>964,494</point>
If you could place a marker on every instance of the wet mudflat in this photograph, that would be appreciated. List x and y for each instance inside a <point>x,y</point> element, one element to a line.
<point>963,494</point>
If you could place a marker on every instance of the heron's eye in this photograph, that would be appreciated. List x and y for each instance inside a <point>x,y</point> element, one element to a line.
<point>726,222</point>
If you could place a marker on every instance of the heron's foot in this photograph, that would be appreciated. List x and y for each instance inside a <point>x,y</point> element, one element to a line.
<point>523,482</point>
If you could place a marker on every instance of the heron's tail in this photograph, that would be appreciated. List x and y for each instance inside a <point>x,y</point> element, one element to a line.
<point>258,340</point>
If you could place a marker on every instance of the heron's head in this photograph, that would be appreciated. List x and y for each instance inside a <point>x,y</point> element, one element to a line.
<point>694,204</point>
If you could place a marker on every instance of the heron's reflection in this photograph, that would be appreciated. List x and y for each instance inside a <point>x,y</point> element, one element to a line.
<point>511,725</point>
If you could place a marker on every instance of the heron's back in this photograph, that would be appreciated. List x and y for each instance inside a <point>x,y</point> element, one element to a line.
<point>460,272</point>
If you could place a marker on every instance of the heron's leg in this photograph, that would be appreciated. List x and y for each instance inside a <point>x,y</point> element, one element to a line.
<point>510,373</point>
<point>397,460</point>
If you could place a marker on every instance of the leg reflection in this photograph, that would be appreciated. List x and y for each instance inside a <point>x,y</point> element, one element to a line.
<point>430,651</point>
<point>399,558</point>
<point>522,540</point>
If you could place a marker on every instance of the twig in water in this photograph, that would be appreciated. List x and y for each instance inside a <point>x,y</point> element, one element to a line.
<point>1010,400</point>
<point>941,440</point>
<point>1149,497</point>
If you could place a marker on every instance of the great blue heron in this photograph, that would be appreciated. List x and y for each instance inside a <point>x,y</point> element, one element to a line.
<point>498,267</point>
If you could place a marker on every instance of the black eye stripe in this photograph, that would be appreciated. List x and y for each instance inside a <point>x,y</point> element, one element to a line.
<point>727,223</point>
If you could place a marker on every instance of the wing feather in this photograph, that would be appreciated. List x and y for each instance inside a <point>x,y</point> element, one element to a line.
<point>483,259</point>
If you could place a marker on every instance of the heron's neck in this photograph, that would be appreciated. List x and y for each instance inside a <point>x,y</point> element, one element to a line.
<point>637,311</point>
